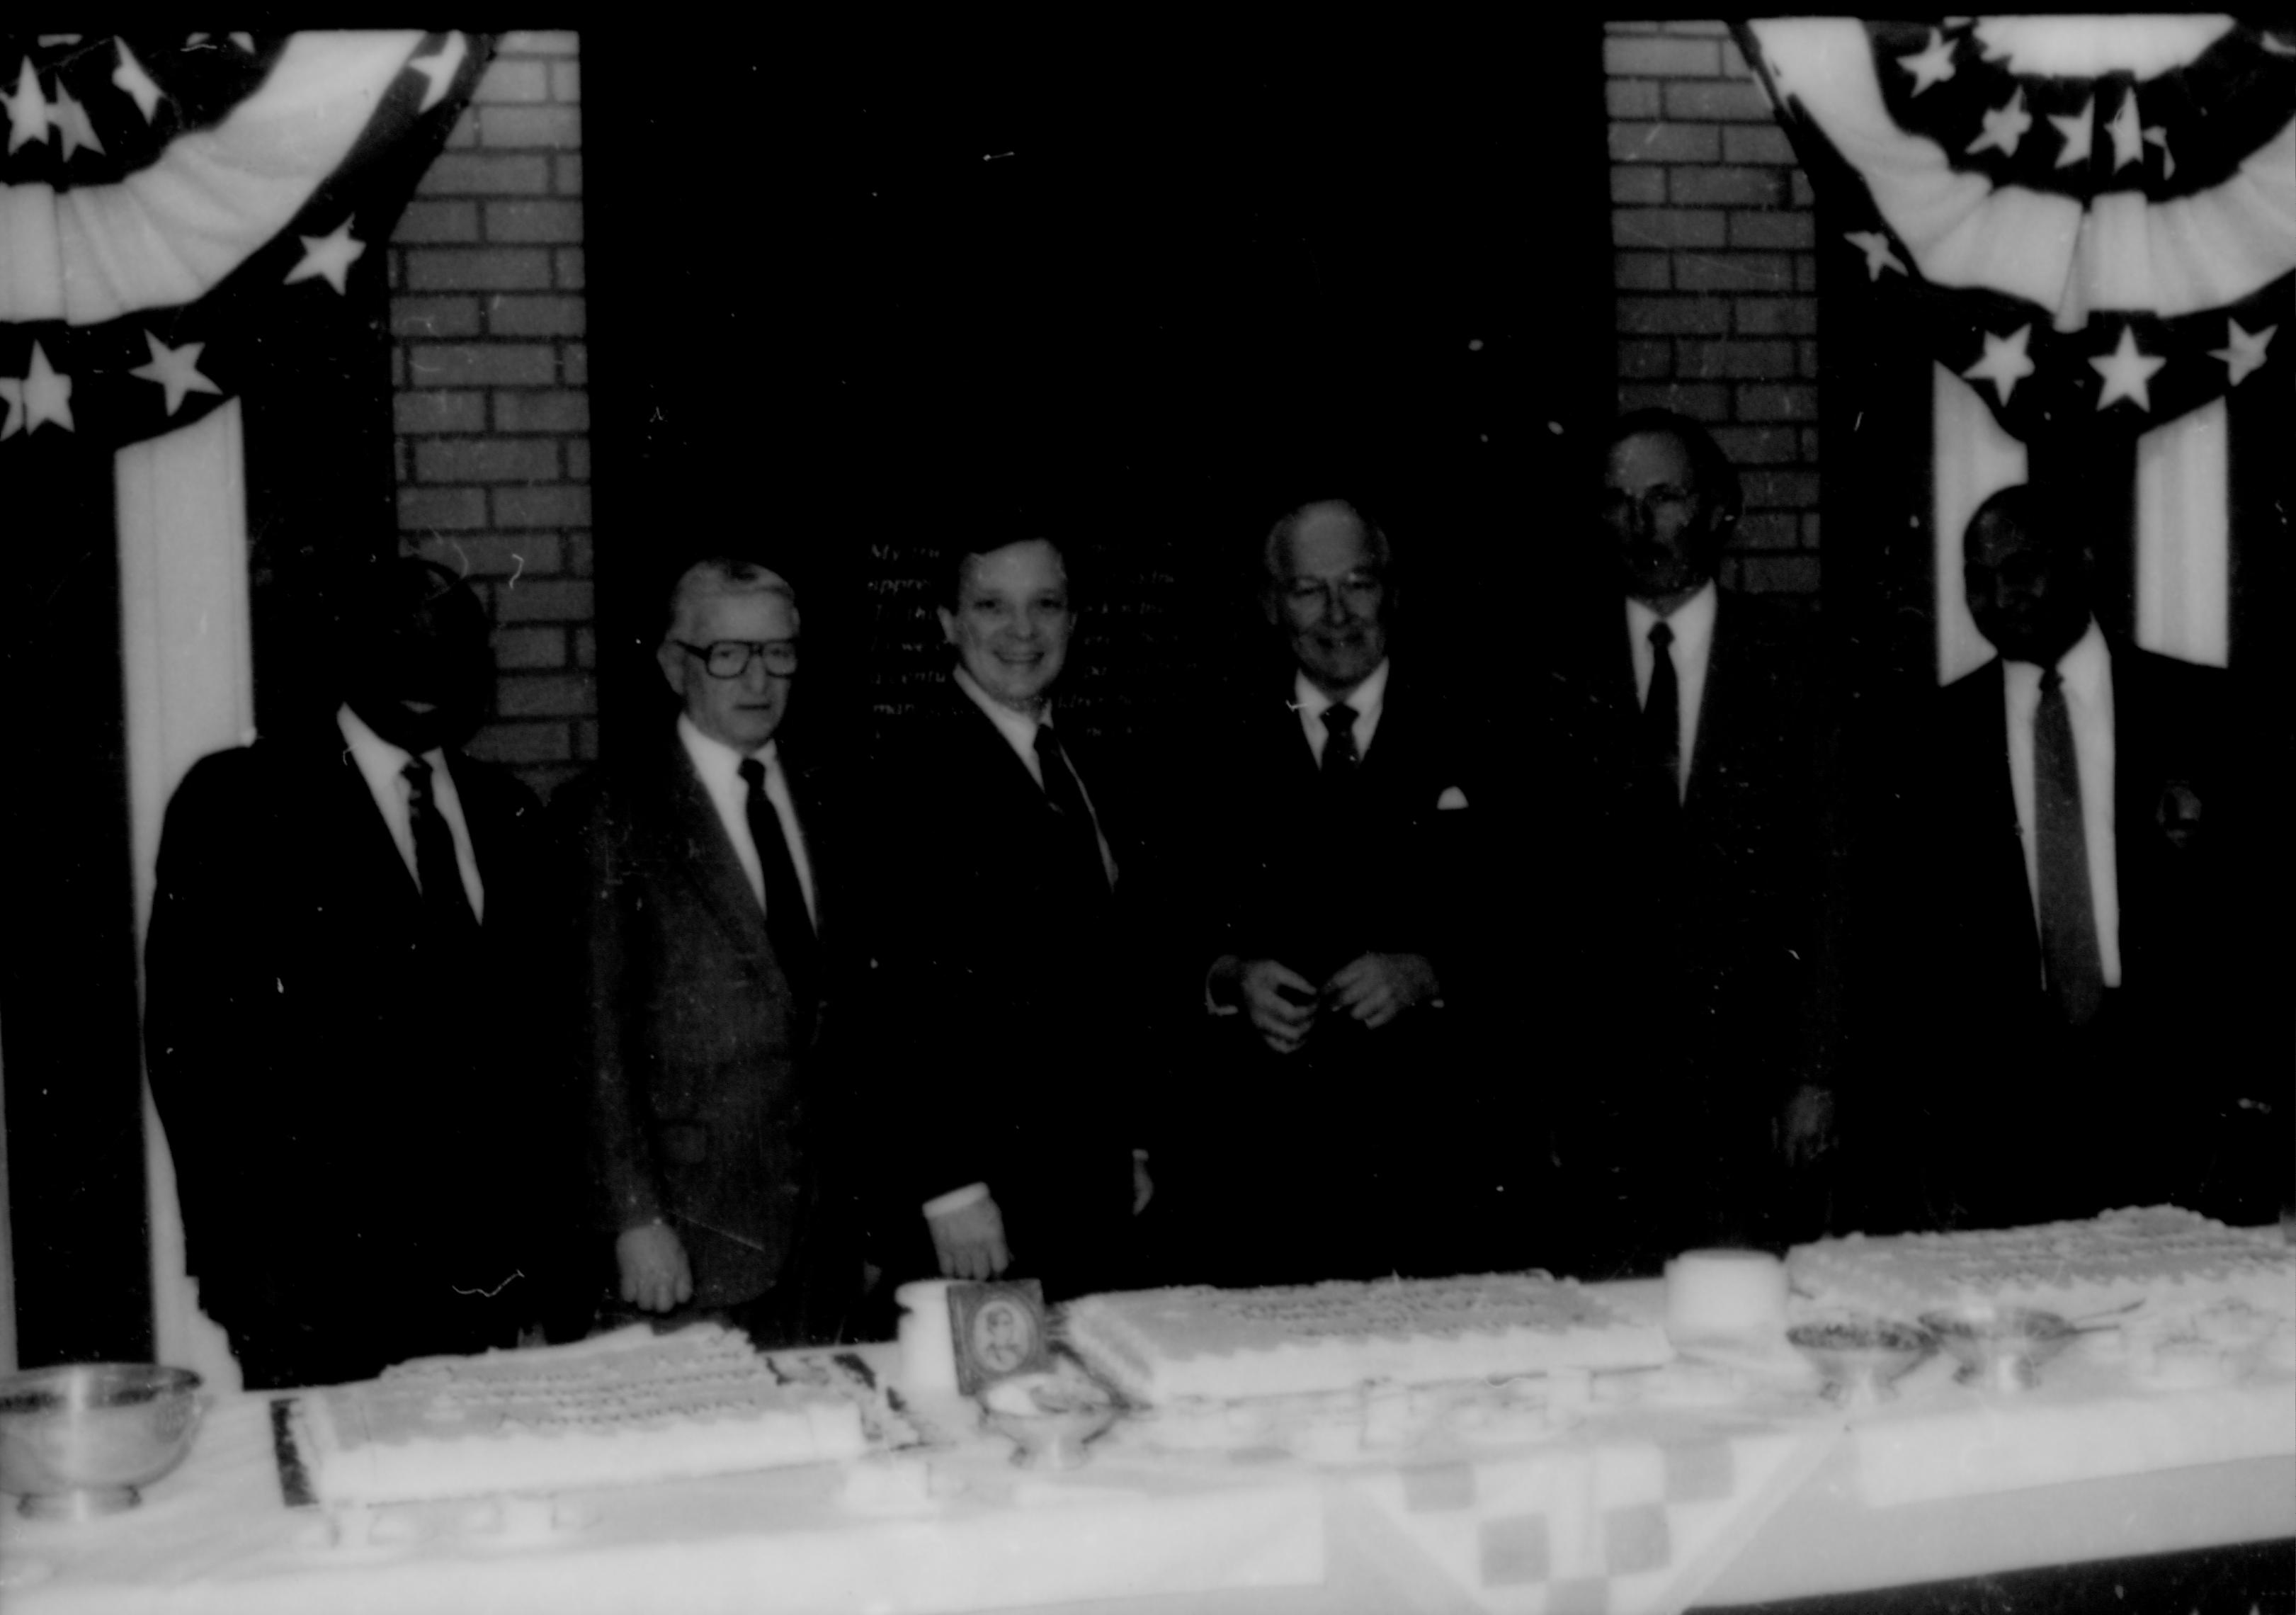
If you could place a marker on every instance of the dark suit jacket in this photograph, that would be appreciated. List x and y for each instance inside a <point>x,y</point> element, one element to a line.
<point>710,1096</point>
<point>2040,1121</point>
<point>1701,965</point>
<point>1013,1037</point>
<point>1363,1151</point>
<point>353,1112</point>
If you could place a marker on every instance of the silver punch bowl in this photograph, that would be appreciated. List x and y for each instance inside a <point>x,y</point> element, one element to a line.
<point>77,1441</point>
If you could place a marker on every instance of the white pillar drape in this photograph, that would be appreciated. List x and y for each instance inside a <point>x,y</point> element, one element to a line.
<point>1974,458</point>
<point>2183,538</point>
<point>185,652</point>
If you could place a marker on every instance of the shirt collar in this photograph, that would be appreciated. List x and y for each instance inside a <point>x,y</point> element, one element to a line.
<point>1692,621</point>
<point>2085,667</point>
<point>1020,728</point>
<point>378,759</point>
<point>1365,698</point>
<point>719,763</point>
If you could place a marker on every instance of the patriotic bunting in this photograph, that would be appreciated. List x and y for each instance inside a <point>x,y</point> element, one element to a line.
<point>2077,236</point>
<point>2093,219</point>
<point>165,203</point>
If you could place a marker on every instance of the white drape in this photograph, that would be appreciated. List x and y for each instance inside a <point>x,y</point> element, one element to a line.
<point>2184,538</point>
<point>185,652</point>
<point>163,236</point>
<point>1974,458</point>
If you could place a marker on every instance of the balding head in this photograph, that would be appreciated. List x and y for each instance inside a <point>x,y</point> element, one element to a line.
<point>1328,588</point>
<point>2026,577</point>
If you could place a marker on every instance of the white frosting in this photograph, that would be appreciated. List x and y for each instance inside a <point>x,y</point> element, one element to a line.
<point>625,1408</point>
<point>1162,1345</point>
<point>2148,1261</point>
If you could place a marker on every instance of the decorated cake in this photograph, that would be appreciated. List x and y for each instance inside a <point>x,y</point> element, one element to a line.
<point>623,1409</point>
<point>2157,1260</point>
<point>1161,1345</point>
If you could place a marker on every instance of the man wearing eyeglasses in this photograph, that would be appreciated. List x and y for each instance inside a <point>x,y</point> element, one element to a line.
<point>706,924</point>
<point>1340,803</point>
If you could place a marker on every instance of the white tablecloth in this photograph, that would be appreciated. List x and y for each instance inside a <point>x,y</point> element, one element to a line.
<point>1639,1500</point>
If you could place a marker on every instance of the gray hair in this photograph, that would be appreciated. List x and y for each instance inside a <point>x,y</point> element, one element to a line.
<point>719,577</point>
<point>1271,551</point>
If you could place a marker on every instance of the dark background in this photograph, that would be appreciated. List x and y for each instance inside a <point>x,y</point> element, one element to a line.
<point>847,305</point>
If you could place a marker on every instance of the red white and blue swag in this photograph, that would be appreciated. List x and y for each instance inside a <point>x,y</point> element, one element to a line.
<point>2092,218</point>
<point>164,201</point>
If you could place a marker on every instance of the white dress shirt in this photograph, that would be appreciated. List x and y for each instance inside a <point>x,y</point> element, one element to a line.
<point>383,766</point>
<point>1693,622</point>
<point>720,768</point>
<point>1368,698</point>
<point>1019,731</point>
<point>2087,670</point>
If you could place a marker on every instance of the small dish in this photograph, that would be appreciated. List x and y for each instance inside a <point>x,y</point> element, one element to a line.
<point>1048,1416</point>
<point>1862,1358</point>
<point>2001,1350</point>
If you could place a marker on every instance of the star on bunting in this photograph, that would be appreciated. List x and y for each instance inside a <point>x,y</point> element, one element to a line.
<point>27,109</point>
<point>2242,352</point>
<point>2078,132</point>
<point>440,70</point>
<point>331,256</point>
<point>2005,127</point>
<point>130,77</point>
<point>1875,246</point>
<point>2158,137</point>
<point>2006,362</point>
<point>45,397</point>
<point>1932,66</point>
<point>71,118</point>
<point>176,369</point>
<point>2128,373</point>
<point>12,394</point>
<point>2127,137</point>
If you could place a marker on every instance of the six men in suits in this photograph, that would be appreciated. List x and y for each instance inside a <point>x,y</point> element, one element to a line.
<point>711,983</point>
<point>341,912</point>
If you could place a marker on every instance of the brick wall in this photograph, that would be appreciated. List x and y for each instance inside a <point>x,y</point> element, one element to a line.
<point>1717,277</point>
<point>491,373</point>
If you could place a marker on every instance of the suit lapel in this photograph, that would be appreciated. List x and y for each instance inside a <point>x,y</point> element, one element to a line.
<point>700,848</point>
<point>1719,701</point>
<point>806,798</point>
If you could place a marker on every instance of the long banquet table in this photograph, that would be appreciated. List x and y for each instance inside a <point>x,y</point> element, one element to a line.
<point>1608,1493</point>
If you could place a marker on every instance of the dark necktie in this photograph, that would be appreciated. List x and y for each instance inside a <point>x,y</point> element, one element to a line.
<point>437,871</point>
<point>1341,757</point>
<point>2069,958</point>
<point>1662,717</point>
<point>788,926</point>
<point>1082,850</point>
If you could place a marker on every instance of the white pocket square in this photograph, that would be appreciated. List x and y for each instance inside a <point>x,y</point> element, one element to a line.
<point>1452,797</point>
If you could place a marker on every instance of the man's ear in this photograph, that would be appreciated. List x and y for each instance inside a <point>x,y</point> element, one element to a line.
<point>671,659</point>
<point>947,623</point>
